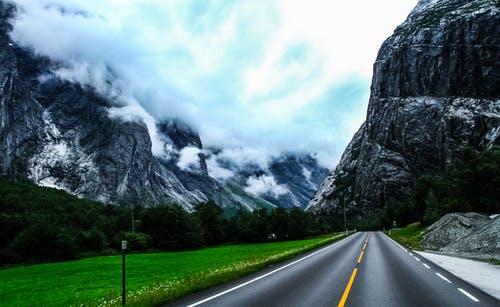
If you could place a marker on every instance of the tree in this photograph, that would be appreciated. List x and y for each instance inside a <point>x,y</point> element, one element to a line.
<point>172,228</point>
<point>44,241</point>
<point>211,218</point>
<point>432,212</point>
<point>280,223</point>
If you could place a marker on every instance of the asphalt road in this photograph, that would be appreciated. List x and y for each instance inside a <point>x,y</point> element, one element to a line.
<point>365,269</point>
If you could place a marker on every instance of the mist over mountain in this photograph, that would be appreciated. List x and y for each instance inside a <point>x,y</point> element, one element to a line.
<point>293,82</point>
<point>94,140</point>
<point>289,180</point>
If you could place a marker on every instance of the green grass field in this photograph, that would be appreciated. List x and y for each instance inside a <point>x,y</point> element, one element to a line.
<point>151,278</point>
<point>410,236</point>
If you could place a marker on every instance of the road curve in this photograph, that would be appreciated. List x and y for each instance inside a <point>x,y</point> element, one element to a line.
<point>364,269</point>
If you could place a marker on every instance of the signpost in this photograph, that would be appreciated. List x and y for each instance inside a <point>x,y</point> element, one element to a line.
<point>124,247</point>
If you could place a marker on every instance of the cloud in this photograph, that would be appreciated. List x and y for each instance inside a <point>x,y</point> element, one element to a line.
<point>242,156</point>
<point>216,171</point>
<point>265,185</point>
<point>267,76</point>
<point>189,158</point>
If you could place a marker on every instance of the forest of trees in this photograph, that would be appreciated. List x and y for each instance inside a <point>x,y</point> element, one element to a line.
<point>41,224</point>
<point>469,183</point>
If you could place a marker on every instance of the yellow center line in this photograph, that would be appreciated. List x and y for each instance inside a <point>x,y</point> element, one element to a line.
<point>353,276</point>
<point>360,256</point>
<point>348,288</point>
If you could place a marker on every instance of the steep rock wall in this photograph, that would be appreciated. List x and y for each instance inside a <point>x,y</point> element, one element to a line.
<point>435,88</point>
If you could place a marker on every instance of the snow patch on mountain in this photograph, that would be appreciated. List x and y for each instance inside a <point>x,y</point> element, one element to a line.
<point>49,166</point>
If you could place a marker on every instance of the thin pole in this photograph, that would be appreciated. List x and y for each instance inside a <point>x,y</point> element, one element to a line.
<point>123,276</point>
<point>133,226</point>
<point>345,220</point>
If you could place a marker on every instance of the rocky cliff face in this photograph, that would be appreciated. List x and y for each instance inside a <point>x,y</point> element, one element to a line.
<point>435,87</point>
<point>73,137</point>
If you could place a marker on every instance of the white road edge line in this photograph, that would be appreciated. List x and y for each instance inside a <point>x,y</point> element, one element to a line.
<point>468,294</point>
<point>444,278</point>
<point>390,239</point>
<point>416,258</point>
<point>410,254</point>
<point>262,276</point>
<point>426,265</point>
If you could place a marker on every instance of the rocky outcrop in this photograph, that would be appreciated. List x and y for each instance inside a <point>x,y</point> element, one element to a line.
<point>435,88</point>
<point>465,234</point>
<point>20,114</point>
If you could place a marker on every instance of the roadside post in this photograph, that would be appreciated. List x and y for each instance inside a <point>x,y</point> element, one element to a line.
<point>124,248</point>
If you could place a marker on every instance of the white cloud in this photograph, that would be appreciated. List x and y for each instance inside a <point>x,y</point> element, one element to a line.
<point>216,171</point>
<point>251,74</point>
<point>242,156</point>
<point>189,158</point>
<point>265,185</point>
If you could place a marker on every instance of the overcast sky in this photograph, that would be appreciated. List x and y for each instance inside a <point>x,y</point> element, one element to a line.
<point>262,76</point>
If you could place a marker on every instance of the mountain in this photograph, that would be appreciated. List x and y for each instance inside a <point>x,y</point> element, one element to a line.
<point>91,143</point>
<point>435,88</point>
<point>289,180</point>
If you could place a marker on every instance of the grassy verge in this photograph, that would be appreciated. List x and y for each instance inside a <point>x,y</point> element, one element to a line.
<point>495,261</point>
<point>409,236</point>
<point>151,278</point>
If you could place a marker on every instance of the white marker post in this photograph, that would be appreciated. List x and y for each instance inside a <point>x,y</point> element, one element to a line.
<point>124,247</point>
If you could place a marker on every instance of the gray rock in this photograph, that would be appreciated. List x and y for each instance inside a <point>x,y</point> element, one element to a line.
<point>435,88</point>
<point>20,114</point>
<point>466,234</point>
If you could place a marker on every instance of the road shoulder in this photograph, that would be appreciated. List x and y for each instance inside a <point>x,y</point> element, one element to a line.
<point>483,275</point>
